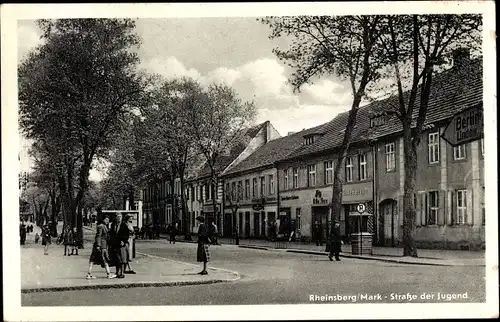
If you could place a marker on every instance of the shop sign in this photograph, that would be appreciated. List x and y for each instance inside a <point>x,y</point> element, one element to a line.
<point>257,207</point>
<point>210,208</point>
<point>318,199</point>
<point>465,127</point>
<point>357,192</point>
<point>293,197</point>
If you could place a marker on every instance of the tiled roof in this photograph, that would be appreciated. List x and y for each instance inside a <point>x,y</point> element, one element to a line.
<point>224,161</point>
<point>273,150</point>
<point>452,91</point>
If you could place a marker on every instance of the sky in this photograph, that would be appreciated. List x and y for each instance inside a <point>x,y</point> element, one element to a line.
<point>234,51</point>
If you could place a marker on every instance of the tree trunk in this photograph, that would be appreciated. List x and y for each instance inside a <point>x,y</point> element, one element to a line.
<point>336,206</point>
<point>409,213</point>
<point>79,224</point>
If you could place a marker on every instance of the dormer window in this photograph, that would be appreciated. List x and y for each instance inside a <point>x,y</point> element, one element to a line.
<point>309,140</point>
<point>378,120</point>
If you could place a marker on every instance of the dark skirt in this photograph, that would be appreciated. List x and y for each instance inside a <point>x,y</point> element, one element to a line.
<point>99,256</point>
<point>120,255</point>
<point>46,241</point>
<point>203,253</point>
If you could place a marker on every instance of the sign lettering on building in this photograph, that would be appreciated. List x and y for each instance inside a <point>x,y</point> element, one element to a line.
<point>289,197</point>
<point>357,192</point>
<point>465,127</point>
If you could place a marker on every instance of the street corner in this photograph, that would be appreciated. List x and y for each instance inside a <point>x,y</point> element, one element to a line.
<point>191,269</point>
<point>150,271</point>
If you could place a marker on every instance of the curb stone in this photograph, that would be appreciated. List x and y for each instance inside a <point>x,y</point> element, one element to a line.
<point>116,286</point>
<point>370,258</point>
<point>253,247</point>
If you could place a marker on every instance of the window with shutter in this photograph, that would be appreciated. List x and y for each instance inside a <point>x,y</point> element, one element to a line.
<point>441,211</point>
<point>453,208</point>
<point>418,209</point>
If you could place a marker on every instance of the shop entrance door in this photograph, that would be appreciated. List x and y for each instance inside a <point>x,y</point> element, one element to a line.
<point>388,213</point>
<point>256,224</point>
<point>228,225</point>
<point>320,224</point>
<point>263,224</point>
<point>240,226</point>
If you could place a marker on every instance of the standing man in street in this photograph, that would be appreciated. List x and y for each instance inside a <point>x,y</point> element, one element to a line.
<point>335,242</point>
<point>100,255</point>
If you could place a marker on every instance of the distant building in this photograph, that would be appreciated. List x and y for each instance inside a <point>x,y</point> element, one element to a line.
<point>252,188</point>
<point>201,190</point>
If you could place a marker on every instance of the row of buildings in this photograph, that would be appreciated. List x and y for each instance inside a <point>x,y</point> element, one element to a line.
<point>285,183</point>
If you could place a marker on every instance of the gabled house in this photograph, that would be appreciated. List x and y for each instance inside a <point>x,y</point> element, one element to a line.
<point>201,191</point>
<point>251,189</point>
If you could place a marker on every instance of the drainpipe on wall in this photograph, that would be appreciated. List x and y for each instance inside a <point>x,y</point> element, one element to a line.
<point>375,191</point>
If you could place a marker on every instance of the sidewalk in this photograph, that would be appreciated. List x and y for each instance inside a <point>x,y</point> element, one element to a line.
<point>55,272</point>
<point>439,257</point>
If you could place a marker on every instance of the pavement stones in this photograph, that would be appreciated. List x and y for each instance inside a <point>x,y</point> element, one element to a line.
<point>55,272</point>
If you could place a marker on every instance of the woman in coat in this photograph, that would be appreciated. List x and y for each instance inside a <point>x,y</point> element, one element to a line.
<point>68,242</point>
<point>203,251</point>
<point>46,239</point>
<point>119,235</point>
<point>100,255</point>
<point>130,251</point>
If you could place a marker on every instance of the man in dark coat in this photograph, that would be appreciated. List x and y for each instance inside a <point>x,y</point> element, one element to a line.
<point>172,231</point>
<point>335,242</point>
<point>119,236</point>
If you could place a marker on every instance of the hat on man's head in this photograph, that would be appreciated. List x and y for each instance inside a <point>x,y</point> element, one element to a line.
<point>200,219</point>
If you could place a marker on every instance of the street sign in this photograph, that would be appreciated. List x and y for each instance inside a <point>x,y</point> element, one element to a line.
<point>361,208</point>
<point>465,126</point>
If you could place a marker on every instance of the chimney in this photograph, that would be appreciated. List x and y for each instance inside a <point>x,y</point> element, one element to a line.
<point>461,57</point>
